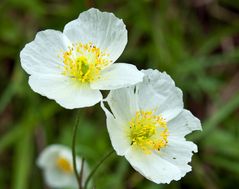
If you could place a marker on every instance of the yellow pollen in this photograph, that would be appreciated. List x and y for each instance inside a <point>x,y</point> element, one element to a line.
<point>84,62</point>
<point>64,165</point>
<point>149,132</point>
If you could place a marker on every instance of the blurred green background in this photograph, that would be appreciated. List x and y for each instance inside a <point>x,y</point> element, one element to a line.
<point>195,41</point>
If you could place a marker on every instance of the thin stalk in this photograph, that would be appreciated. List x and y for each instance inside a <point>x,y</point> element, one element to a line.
<point>74,150</point>
<point>81,172</point>
<point>96,168</point>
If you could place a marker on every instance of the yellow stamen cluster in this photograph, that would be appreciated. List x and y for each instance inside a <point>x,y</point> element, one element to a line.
<point>84,62</point>
<point>64,165</point>
<point>148,131</point>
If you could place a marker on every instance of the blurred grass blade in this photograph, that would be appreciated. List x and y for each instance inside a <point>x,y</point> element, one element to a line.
<point>22,162</point>
<point>11,88</point>
<point>213,121</point>
<point>27,124</point>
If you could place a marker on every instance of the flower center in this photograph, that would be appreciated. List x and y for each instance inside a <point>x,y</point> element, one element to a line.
<point>148,131</point>
<point>84,62</point>
<point>64,165</point>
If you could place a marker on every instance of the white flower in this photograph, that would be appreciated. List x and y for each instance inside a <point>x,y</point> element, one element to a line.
<point>148,124</point>
<point>71,67</point>
<point>57,165</point>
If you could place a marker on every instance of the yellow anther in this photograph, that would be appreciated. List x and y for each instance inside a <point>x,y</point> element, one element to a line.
<point>148,131</point>
<point>84,62</point>
<point>64,165</point>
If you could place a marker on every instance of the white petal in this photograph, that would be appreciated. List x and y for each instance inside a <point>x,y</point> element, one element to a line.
<point>158,91</point>
<point>43,55</point>
<point>118,76</point>
<point>103,29</point>
<point>118,132</point>
<point>58,179</point>
<point>64,91</point>
<point>153,167</point>
<point>49,154</point>
<point>179,152</point>
<point>123,103</point>
<point>183,124</point>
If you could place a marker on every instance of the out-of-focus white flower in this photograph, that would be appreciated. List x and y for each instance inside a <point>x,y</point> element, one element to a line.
<point>57,165</point>
<point>148,125</point>
<point>72,67</point>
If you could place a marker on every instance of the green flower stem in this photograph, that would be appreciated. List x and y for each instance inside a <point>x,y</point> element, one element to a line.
<point>74,150</point>
<point>81,172</point>
<point>96,168</point>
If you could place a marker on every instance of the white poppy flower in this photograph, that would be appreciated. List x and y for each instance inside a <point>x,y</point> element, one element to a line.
<point>147,125</point>
<point>72,67</point>
<point>57,165</point>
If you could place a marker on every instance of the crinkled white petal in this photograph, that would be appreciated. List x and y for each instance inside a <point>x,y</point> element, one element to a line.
<point>123,103</point>
<point>158,92</point>
<point>183,124</point>
<point>43,55</point>
<point>64,90</point>
<point>152,166</point>
<point>179,153</point>
<point>118,76</point>
<point>117,131</point>
<point>103,29</point>
<point>171,163</point>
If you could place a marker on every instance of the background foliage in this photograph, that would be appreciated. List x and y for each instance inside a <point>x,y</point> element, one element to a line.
<point>195,41</point>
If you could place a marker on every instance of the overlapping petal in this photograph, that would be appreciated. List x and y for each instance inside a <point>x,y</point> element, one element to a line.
<point>167,99</point>
<point>102,29</point>
<point>153,167</point>
<point>123,103</point>
<point>184,124</point>
<point>116,76</point>
<point>65,91</point>
<point>43,54</point>
<point>179,153</point>
<point>56,179</point>
<point>116,129</point>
